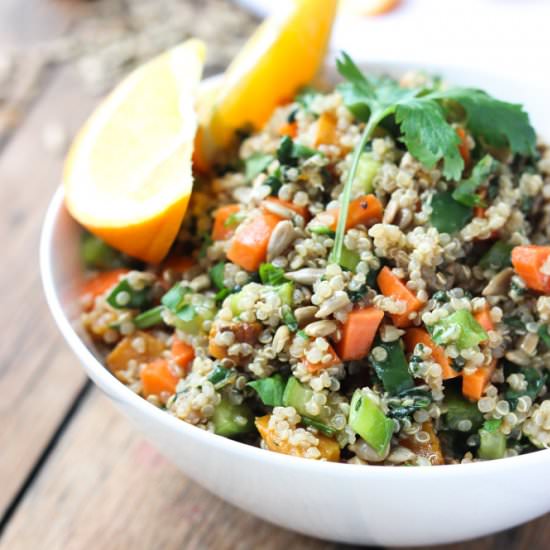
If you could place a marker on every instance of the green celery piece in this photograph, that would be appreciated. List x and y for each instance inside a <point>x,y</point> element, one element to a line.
<point>349,259</point>
<point>174,299</point>
<point>497,257</point>
<point>138,298</point>
<point>492,441</point>
<point>149,318</point>
<point>459,327</point>
<point>466,190</point>
<point>297,395</point>
<point>97,254</point>
<point>270,390</point>
<point>286,292</point>
<point>367,419</point>
<point>393,371</point>
<point>459,409</point>
<point>226,415</point>
<point>367,169</point>
<point>448,215</point>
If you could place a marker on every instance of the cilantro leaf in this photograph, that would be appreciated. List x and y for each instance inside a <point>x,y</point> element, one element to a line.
<point>270,390</point>
<point>465,193</point>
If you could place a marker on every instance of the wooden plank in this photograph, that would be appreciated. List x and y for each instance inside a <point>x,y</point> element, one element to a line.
<point>39,377</point>
<point>106,487</point>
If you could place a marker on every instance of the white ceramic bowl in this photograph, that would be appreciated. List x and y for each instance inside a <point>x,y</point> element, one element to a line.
<point>341,502</point>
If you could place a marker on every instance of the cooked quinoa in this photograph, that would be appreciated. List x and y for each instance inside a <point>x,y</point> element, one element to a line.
<point>284,348</point>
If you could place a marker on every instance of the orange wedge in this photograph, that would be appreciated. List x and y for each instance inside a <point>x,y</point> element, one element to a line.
<point>370,7</point>
<point>128,175</point>
<point>282,56</point>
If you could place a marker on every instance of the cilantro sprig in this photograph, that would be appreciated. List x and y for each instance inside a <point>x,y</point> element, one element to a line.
<point>421,114</point>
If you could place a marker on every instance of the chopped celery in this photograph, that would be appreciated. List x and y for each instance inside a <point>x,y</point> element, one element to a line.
<point>460,410</point>
<point>367,168</point>
<point>286,292</point>
<point>189,311</point>
<point>297,395</point>
<point>448,215</point>
<point>367,419</point>
<point>124,296</point>
<point>230,419</point>
<point>234,304</point>
<point>349,259</point>
<point>149,318</point>
<point>492,441</point>
<point>497,257</point>
<point>460,328</point>
<point>270,390</point>
<point>390,364</point>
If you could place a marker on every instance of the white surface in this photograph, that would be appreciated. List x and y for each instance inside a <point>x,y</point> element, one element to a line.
<point>477,33</point>
<point>342,502</point>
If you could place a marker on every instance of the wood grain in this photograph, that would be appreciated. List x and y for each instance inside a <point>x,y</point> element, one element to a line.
<point>39,377</point>
<point>106,487</point>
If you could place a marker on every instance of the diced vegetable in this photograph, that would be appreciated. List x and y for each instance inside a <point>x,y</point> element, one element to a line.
<point>325,130</point>
<point>157,377</point>
<point>149,318</point>
<point>231,419</point>
<point>270,390</point>
<point>221,376</point>
<point>271,275</point>
<point>474,384</point>
<point>365,210</point>
<point>430,449</point>
<point>466,191</point>
<point>415,336</point>
<point>300,210</point>
<point>393,287</point>
<point>99,284</point>
<point>497,257</point>
<point>460,412</point>
<point>367,419</point>
<point>289,129</point>
<point>244,333</point>
<point>249,245</point>
<point>174,299</point>
<point>221,231</point>
<point>349,259</point>
<point>255,164</point>
<point>182,353</point>
<point>97,254</point>
<point>358,333</point>
<point>334,360</point>
<point>124,296</point>
<point>328,448</point>
<point>190,311</point>
<point>532,264</point>
<point>297,395</point>
<point>366,172</point>
<point>390,364</point>
<point>492,441</point>
<point>149,349</point>
<point>323,428</point>
<point>461,328</point>
<point>463,146</point>
<point>483,317</point>
<point>290,151</point>
<point>448,215</point>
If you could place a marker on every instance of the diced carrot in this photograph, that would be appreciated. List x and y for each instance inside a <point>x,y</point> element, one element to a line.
<point>149,349</point>
<point>314,368</point>
<point>179,264</point>
<point>325,130</point>
<point>463,147</point>
<point>182,353</point>
<point>415,336</point>
<point>249,246</point>
<point>392,287</point>
<point>430,449</point>
<point>473,385</point>
<point>289,129</point>
<point>358,333</point>
<point>102,282</point>
<point>328,447</point>
<point>156,377</point>
<point>300,210</point>
<point>365,210</point>
<point>529,262</point>
<point>221,230</point>
<point>483,317</point>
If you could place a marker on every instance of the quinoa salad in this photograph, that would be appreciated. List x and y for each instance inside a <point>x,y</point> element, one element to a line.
<point>366,279</point>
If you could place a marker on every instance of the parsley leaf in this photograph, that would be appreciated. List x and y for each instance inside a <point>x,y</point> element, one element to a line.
<point>270,390</point>
<point>465,193</point>
<point>255,164</point>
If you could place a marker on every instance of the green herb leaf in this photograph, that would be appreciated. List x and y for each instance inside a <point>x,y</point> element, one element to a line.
<point>217,275</point>
<point>138,299</point>
<point>289,152</point>
<point>255,164</point>
<point>448,215</point>
<point>187,313</point>
<point>271,275</point>
<point>465,193</point>
<point>270,390</point>
<point>219,374</point>
<point>174,299</point>
<point>274,183</point>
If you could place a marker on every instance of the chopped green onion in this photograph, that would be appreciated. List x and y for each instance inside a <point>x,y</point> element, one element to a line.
<point>461,411</point>
<point>255,164</point>
<point>274,183</point>
<point>323,428</point>
<point>271,275</point>
<point>233,220</point>
<point>187,313</point>
<point>390,365</point>
<point>230,419</point>
<point>448,215</point>
<point>174,299</point>
<point>349,259</point>
<point>497,257</point>
<point>149,318</point>
<point>286,293</point>
<point>124,296</point>
<point>270,390</point>
<point>289,319</point>
<point>366,172</point>
<point>289,152</point>
<point>219,374</point>
<point>321,230</point>
<point>492,441</point>
<point>217,275</point>
<point>459,327</point>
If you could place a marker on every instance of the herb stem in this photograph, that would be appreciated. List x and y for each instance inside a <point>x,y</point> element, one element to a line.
<point>374,120</point>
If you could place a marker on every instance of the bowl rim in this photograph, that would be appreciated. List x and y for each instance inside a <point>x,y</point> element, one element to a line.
<point>117,391</point>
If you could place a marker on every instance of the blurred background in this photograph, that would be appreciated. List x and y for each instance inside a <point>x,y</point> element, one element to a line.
<point>73,472</point>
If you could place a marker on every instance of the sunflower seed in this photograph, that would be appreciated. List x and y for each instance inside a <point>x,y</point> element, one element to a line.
<point>528,343</point>
<point>306,276</point>
<point>282,236</point>
<point>499,284</point>
<point>320,328</point>
<point>278,209</point>
<point>337,301</point>
<point>305,314</point>
<point>281,338</point>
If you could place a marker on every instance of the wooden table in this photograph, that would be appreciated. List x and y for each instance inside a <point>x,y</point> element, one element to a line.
<point>73,472</point>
